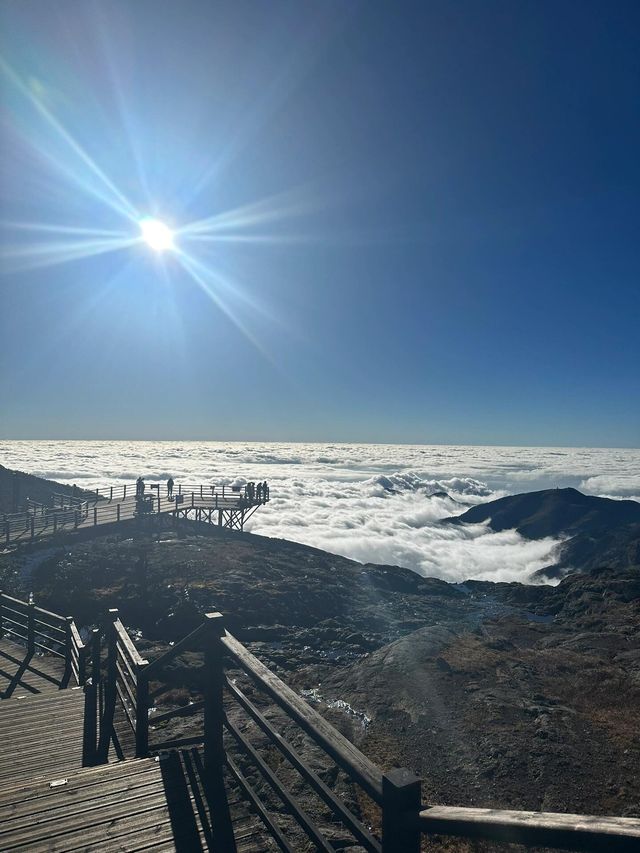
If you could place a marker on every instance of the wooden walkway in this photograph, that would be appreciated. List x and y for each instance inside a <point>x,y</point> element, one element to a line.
<point>24,675</point>
<point>49,802</point>
<point>41,736</point>
<point>159,804</point>
<point>113,508</point>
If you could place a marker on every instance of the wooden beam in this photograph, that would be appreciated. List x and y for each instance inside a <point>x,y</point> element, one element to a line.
<point>545,829</point>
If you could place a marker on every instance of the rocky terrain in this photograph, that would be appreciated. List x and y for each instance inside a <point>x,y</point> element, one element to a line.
<point>510,695</point>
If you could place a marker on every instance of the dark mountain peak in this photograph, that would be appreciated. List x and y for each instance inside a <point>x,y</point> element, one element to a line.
<point>553,512</point>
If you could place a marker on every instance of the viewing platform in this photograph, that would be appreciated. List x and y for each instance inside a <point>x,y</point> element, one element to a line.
<point>221,505</point>
<point>89,761</point>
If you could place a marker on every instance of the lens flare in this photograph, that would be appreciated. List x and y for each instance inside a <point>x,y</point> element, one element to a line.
<point>157,235</point>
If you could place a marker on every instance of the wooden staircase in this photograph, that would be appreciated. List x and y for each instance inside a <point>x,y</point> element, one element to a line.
<point>50,800</point>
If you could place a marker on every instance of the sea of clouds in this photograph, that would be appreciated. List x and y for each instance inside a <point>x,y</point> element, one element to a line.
<point>372,503</point>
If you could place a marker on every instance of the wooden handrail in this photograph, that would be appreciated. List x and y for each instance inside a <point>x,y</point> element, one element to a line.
<point>545,829</point>
<point>177,648</point>
<point>26,612</point>
<point>125,642</point>
<point>343,752</point>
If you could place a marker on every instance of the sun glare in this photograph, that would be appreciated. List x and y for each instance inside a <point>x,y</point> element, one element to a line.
<point>156,235</point>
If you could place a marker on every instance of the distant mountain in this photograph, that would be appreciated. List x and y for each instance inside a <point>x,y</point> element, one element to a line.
<point>600,531</point>
<point>16,487</point>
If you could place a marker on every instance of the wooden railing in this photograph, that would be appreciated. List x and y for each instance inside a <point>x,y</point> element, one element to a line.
<point>396,795</point>
<point>535,829</point>
<point>43,631</point>
<point>116,504</point>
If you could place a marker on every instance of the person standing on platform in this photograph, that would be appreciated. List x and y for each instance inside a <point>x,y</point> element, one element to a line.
<point>170,488</point>
<point>265,492</point>
<point>139,487</point>
<point>259,492</point>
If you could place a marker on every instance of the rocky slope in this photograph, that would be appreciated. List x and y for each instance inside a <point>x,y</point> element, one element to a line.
<point>16,487</point>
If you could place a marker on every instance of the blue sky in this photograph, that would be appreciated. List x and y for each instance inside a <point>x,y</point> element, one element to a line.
<point>418,222</point>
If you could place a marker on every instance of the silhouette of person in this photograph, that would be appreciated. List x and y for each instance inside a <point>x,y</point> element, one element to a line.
<point>170,488</point>
<point>265,492</point>
<point>259,492</point>
<point>139,487</point>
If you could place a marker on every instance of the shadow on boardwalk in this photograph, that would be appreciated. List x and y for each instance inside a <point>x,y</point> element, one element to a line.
<point>199,810</point>
<point>25,674</point>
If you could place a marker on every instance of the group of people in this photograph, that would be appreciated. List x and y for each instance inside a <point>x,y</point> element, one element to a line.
<point>258,493</point>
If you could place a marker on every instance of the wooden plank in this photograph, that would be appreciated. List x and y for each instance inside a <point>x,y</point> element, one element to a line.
<point>154,812</point>
<point>125,641</point>
<point>546,829</point>
<point>104,775</point>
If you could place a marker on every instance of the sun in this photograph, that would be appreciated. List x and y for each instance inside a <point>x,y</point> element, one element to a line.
<point>156,234</point>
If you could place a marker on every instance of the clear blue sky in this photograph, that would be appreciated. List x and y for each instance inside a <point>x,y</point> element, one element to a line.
<point>440,245</point>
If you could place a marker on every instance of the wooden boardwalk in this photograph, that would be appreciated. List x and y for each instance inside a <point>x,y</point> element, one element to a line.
<point>24,675</point>
<point>159,804</point>
<point>189,800</point>
<point>50,802</point>
<point>117,507</point>
<point>41,736</point>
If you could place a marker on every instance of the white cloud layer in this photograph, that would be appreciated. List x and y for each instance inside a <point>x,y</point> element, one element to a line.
<point>373,503</point>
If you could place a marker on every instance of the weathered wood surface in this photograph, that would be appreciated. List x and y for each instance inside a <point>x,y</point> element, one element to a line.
<point>131,806</point>
<point>567,831</point>
<point>24,675</point>
<point>41,736</point>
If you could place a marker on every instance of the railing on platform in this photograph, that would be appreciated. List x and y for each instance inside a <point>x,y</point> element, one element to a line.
<point>42,631</point>
<point>402,818</point>
<point>110,506</point>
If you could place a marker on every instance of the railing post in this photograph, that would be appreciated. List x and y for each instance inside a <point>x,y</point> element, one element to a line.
<point>142,713</point>
<point>76,519</point>
<point>179,489</point>
<point>401,804</point>
<point>193,499</point>
<point>106,723</point>
<point>33,527</point>
<point>124,491</point>
<point>110,493</point>
<point>90,733</point>
<point>31,625</point>
<point>82,665</point>
<point>117,512</point>
<point>95,515</point>
<point>68,639</point>
<point>213,692</point>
